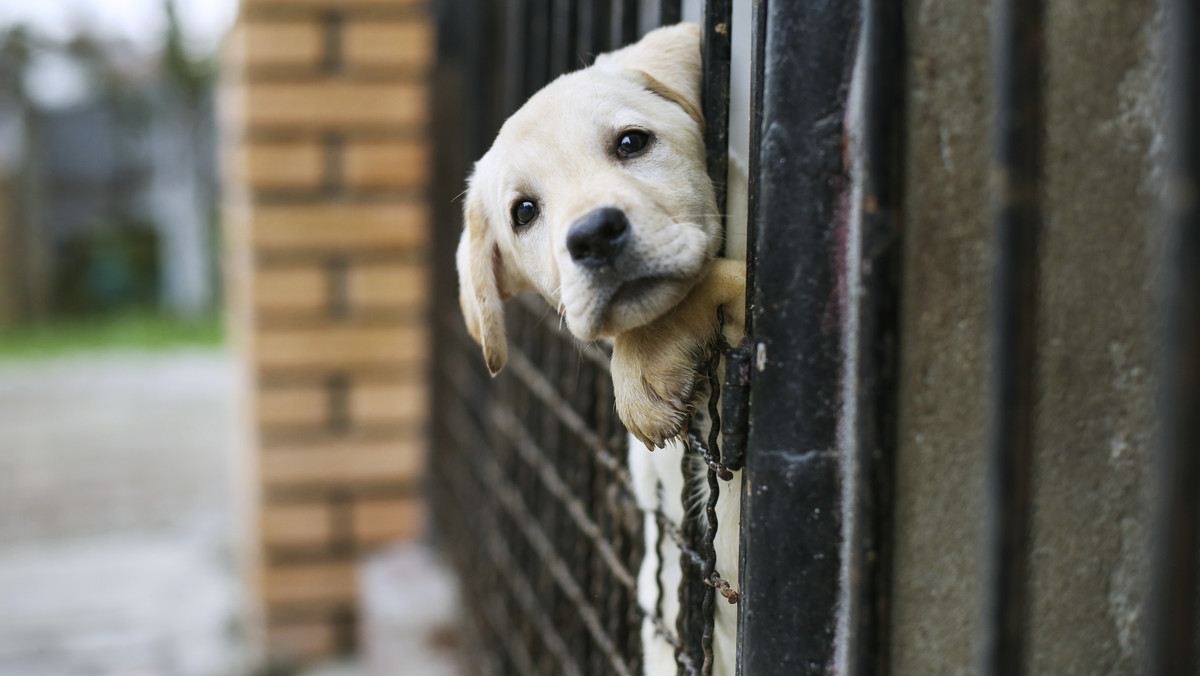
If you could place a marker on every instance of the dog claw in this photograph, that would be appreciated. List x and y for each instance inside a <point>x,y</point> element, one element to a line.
<point>655,436</point>
<point>653,407</point>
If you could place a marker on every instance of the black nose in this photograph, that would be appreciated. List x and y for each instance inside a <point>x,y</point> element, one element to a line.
<point>596,239</point>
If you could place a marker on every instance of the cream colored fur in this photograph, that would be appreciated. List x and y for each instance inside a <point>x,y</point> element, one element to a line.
<point>657,302</point>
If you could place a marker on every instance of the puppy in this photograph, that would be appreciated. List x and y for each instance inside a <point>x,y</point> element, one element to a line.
<point>595,195</point>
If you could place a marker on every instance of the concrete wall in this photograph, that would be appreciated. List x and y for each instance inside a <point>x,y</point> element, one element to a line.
<point>1094,433</point>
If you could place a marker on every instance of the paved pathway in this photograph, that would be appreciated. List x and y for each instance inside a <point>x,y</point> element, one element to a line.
<point>116,528</point>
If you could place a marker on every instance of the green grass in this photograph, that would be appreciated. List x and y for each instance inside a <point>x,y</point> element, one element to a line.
<point>134,332</point>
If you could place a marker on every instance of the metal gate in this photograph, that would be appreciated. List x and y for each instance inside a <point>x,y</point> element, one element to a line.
<point>531,496</point>
<point>531,492</point>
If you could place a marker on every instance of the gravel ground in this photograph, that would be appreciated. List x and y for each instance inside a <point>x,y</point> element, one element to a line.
<point>116,519</point>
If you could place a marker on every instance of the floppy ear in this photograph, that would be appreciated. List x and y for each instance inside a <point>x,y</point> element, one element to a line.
<point>666,61</point>
<point>478,258</point>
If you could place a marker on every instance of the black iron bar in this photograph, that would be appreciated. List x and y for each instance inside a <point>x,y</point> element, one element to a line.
<point>516,30</point>
<point>601,33</point>
<point>791,587</point>
<point>624,24</point>
<point>877,290</point>
<point>562,37</point>
<point>585,33</point>
<point>696,594</point>
<point>1016,184</point>
<point>670,12</point>
<point>708,573</point>
<point>467,102</point>
<point>1172,644</point>
<point>691,622</point>
<point>715,50</point>
<point>537,48</point>
<point>739,360</point>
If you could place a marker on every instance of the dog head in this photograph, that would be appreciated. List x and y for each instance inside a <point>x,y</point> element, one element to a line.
<point>595,195</point>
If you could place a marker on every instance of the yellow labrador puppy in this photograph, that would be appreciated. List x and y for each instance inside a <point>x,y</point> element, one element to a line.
<point>595,195</point>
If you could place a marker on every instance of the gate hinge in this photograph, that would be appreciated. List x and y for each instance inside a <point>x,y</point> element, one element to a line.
<point>735,405</point>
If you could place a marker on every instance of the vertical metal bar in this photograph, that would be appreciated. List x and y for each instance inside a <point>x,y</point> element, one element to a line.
<point>710,574</point>
<point>492,73</point>
<point>877,289</point>
<point>624,22</point>
<point>758,57</point>
<point>738,362</point>
<point>456,27</point>
<point>516,21</point>
<point>1017,159</point>
<point>595,17</point>
<point>1173,622</point>
<point>691,623</point>
<point>562,37</point>
<point>670,12</point>
<point>696,591</point>
<point>715,50</point>
<point>585,32</point>
<point>585,19</point>
<point>537,46</point>
<point>793,473</point>
<point>715,56</point>
<point>465,106</point>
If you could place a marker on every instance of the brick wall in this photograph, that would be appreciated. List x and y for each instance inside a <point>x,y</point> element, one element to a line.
<point>325,111</point>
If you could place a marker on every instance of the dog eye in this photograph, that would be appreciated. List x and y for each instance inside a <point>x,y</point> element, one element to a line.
<point>631,143</point>
<point>523,211</point>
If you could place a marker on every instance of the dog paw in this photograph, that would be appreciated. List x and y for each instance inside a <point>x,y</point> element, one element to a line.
<point>654,381</point>
<point>656,367</point>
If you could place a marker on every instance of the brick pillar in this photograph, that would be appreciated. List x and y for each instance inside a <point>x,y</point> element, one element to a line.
<point>325,114</point>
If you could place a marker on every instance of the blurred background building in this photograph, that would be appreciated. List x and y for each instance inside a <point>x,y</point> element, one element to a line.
<point>101,212</point>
